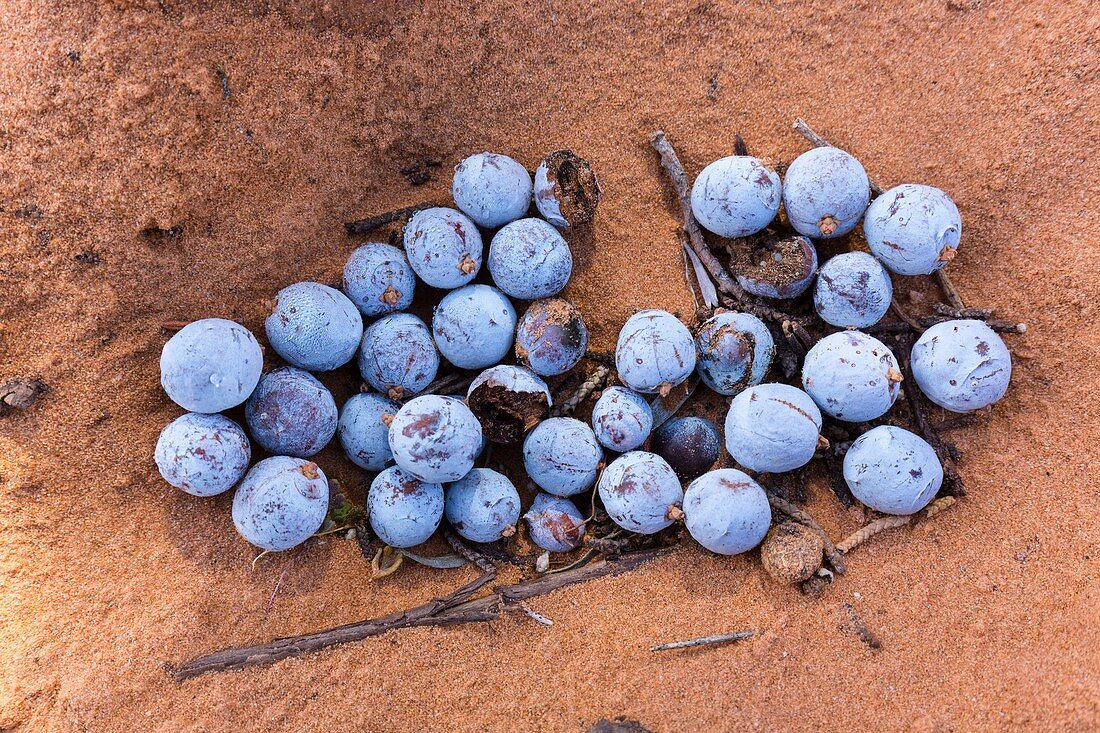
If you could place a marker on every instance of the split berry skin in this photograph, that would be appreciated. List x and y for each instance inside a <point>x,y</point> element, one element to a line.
<point>551,337</point>
<point>562,456</point>
<point>529,259</point>
<point>398,356</point>
<point>483,506</point>
<point>690,445</point>
<point>566,190</point>
<point>851,376</point>
<point>655,352</point>
<point>280,503</point>
<point>435,439</point>
<point>492,189</point>
<point>203,455</point>
<point>291,413</point>
<point>444,248</point>
<point>735,351</point>
<point>379,279</point>
<point>892,470</point>
<point>825,193</point>
<point>853,290</point>
<point>772,428</point>
<point>363,431</point>
<point>640,492</point>
<point>211,365</point>
<point>404,510</point>
<point>474,326</point>
<point>727,512</point>
<point>555,524</point>
<point>314,327</point>
<point>961,365</point>
<point>783,269</point>
<point>735,196</point>
<point>621,419</point>
<point>913,229</point>
<point>508,400</point>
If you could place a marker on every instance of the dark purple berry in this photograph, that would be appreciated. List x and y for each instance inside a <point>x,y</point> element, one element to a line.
<point>689,444</point>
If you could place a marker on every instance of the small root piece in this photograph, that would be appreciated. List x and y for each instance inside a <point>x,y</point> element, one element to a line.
<point>385,562</point>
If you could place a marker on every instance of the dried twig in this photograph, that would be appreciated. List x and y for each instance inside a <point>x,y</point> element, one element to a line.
<point>703,641</point>
<point>948,289</point>
<point>675,171</point>
<point>981,314</point>
<point>453,608</point>
<point>954,423</point>
<point>860,629</point>
<point>952,481</point>
<point>363,226</point>
<point>483,563</point>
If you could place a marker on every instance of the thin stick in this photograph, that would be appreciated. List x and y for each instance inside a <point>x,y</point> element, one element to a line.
<point>903,315</point>
<point>860,629</point>
<point>453,608</point>
<point>948,289</point>
<point>463,550</point>
<point>675,170</point>
<point>953,483</point>
<point>703,641</point>
<point>363,226</point>
<point>980,314</point>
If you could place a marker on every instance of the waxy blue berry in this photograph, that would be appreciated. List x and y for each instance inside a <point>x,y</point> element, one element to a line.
<point>379,279</point>
<point>314,327</point>
<point>203,455</point>
<point>727,512</point>
<point>444,248</point>
<point>655,352</point>
<point>398,356</point>
<point>404,510</point>
<point>913,229</point>
<point>291,413</point>
<point>735,351</point>
<point>961,365</point>
<point>851,376</point>
<point>492,189</point>
<point>281,502</point>
<point>735,196</point>
<point>474,326</point>
<point>211,365</point>
<point>892,470</point>
<point>640,492</point>
<point>483,506</point>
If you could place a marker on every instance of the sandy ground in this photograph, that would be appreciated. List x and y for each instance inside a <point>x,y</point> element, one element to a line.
<point>113,119</point>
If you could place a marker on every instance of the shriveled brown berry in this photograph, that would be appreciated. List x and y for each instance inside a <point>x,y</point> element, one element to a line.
<point>791,552</point>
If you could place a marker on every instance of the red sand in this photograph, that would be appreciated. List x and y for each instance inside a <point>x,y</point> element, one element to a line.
<point>113,118</point>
